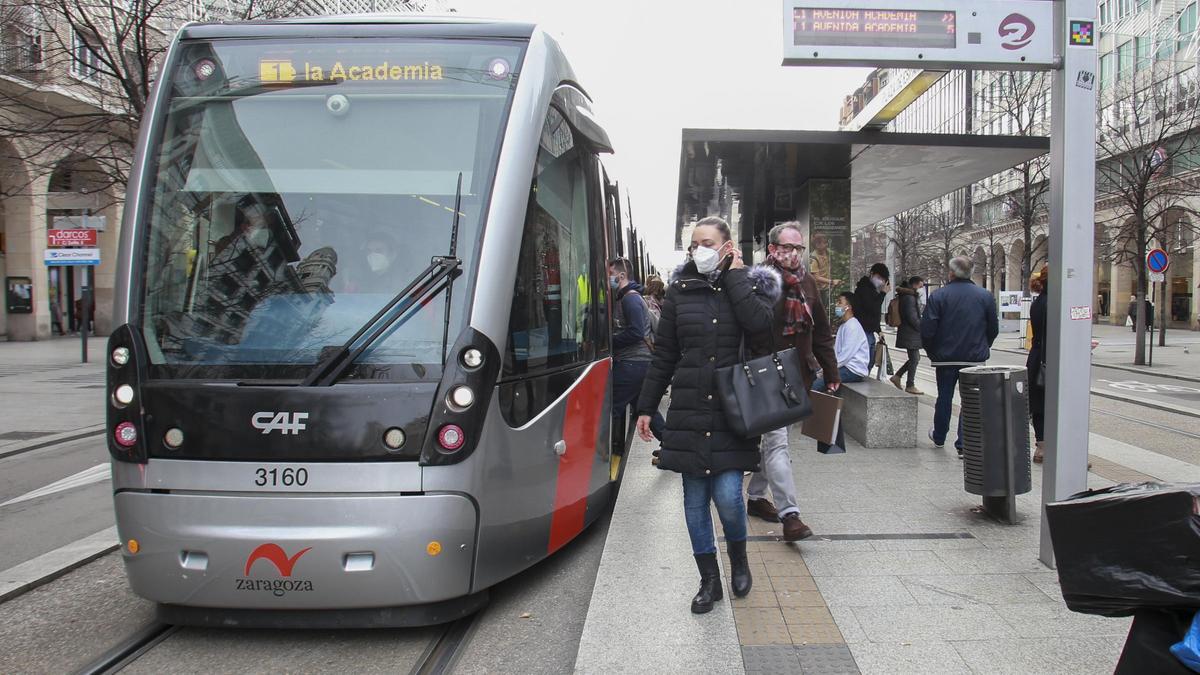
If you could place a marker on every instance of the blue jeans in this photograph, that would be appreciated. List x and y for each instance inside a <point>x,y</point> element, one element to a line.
<point>870,353</point>
<point>846,376</point>
<point>947,380</point>
<point>725,489</point>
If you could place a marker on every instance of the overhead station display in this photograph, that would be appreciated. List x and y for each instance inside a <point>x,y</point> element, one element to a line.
<point>833,27</point>
<point>925,34</point>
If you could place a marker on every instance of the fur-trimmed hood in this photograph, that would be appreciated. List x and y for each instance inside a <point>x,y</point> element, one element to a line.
<point>765,278</point>
<point>768,281</point>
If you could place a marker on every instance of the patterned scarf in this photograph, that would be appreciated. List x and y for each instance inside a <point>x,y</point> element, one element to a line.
<point>797,315</point>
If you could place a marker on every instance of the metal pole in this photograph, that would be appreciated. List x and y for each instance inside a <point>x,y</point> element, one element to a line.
<point>85,312</point>
<point>1072,223</point>
<point>1150,316</point>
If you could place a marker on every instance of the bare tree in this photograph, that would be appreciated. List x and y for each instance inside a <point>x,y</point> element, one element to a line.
<point>1148,125</point>
<point>107,54</point>
<point>904,236</point>
<point>1021,103</point>
<point>944,226</point>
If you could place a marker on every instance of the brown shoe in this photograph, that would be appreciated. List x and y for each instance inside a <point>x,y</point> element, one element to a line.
<point>914,390</point>
<point>794,529</point>
<point>895,379</point>
<point>762,508</point>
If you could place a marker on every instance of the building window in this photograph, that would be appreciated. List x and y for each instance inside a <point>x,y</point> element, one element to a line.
<point>85,62</point>
<point>1125,59</point>
<point>1143,52</point>
<point>1187,26</point>
<point>1108,64</point>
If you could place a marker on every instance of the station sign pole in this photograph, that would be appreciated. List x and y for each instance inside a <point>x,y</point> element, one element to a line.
<point>1072,240</point>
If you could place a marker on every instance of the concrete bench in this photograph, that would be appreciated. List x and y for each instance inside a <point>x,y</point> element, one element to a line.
<point>878,415</point>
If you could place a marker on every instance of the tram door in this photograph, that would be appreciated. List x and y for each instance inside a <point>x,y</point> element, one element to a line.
<point>554,384</point>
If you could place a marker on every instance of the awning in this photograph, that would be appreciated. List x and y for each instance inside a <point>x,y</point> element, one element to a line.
<point>890,172</point>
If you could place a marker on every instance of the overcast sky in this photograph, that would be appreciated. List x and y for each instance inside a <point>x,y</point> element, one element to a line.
<point>655,67</point>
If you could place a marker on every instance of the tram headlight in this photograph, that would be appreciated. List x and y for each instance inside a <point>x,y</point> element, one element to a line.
<point>451,437</point>
<point>472,358</point>
<point>120,356</point>
<point>123,395</point>
<point>461,397</point>
<point>394,438</point>
<point>173,438</point>
<point>125,435</point>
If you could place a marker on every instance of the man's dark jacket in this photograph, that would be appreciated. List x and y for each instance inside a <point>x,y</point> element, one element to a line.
<point>868,305</point>
<point>701,330</point>
<point>960,324</point>
<point>816,342</point>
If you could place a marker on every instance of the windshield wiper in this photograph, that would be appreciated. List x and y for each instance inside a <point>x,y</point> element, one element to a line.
<point>437,277</point>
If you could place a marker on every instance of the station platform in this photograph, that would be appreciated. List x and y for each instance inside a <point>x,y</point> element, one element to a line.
<point>903,574</point>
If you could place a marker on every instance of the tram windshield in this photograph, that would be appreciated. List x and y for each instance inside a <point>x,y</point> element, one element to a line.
<point>298,185</point>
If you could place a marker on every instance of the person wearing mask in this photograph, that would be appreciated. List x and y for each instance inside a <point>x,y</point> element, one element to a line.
<point>908,334</point>
<point>711,306</point>
<point>800,323</point>
<point>868,304</point>
<point>851,351</point>
<point>958,329</point>
<point>631,343</point>
<point>249,223</point>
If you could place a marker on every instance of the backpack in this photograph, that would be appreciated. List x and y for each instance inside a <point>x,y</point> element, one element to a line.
<point>893,312</point>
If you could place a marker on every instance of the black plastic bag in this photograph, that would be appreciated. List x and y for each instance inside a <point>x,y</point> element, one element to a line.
<point>1128,547</point>
<point>1148,647</point>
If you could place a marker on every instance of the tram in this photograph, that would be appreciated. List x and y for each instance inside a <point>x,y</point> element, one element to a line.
<point>361,372</point>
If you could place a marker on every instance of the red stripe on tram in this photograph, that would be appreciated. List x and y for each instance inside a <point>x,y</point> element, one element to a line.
<point>581,429</point>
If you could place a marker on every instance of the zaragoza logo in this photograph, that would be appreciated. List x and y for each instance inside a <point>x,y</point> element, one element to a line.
<point>275,555</point>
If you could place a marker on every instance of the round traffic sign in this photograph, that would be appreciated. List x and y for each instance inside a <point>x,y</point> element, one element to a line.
<point>1157,260</point>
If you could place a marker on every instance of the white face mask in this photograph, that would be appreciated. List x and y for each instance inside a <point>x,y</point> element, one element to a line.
<point>706,259</point>
<point>378,262</point>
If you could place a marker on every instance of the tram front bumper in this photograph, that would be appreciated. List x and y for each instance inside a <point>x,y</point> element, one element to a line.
<point>296,551</point>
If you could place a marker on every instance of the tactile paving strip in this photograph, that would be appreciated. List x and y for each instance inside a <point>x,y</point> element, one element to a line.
<point>764,660</point>
<point>825,660</point>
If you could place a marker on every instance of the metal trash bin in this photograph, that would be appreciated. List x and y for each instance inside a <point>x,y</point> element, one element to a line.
<point>995,418</point>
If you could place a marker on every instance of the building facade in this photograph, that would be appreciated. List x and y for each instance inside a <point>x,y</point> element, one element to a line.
<point>1147,55</point>
<point>51,71</point>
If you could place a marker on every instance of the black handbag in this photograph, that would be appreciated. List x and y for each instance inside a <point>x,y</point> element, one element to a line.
<point>764,393</point>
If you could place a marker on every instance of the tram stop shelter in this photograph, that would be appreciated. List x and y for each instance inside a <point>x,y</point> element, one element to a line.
<point>833,182</point>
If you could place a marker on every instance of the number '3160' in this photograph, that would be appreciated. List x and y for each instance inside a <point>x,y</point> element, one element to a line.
<point>264,477</point>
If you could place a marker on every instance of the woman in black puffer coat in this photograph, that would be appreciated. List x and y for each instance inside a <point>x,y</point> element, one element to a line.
<point>704,317</point>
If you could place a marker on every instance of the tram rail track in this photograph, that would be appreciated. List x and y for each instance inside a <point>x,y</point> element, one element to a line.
<point>438,658</point>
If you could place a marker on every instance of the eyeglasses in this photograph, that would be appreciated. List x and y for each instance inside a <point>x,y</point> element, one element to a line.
<point>791,248</point>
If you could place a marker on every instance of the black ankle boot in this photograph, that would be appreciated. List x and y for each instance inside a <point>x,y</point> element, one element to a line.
<point>739,569</point>
<point>710,583</point>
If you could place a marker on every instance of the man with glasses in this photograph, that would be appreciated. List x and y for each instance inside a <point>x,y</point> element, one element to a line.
<point>800,322</point>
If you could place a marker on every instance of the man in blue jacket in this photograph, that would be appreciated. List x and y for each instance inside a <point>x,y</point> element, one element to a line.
<point>632,343</point>
<point>958,329</point>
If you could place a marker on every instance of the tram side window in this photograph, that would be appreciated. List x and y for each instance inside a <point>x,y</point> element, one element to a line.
<point>550,323</point>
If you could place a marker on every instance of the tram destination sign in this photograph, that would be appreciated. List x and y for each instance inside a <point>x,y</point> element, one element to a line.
<point>828,27</point>
<point>1000,34</point>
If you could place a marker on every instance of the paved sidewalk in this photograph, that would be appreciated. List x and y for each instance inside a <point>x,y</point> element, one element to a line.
<point>1180,357</point>
<point>47,392</point>
<point>904,574</point>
